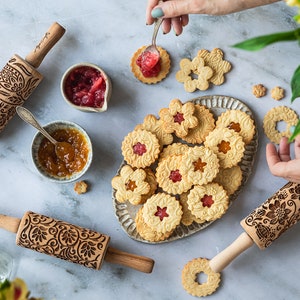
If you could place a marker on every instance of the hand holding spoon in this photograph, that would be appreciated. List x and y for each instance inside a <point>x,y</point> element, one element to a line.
<point>63,150</point>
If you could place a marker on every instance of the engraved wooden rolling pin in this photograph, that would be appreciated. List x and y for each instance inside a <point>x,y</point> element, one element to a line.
<point>70,242</point>
<point>19,77</point>
<point>263,226</point>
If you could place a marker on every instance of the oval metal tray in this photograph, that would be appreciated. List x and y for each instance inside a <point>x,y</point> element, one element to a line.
<point>125,212</point>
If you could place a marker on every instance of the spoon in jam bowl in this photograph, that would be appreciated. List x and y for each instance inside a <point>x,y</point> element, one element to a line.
<point>63,150</point>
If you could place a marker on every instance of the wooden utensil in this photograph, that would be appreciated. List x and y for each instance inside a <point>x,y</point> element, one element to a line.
<point>70,242</point>
<point>263,226</point>
<point>19,77</point>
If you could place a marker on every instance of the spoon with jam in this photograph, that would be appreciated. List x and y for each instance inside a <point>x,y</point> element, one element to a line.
<point>63,150</point>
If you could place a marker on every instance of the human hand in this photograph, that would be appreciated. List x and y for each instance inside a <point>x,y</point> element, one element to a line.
<point>280,162</point>
<point>176,12</point>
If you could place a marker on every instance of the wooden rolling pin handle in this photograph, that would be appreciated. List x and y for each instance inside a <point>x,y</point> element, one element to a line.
<point>225,257</point>
<point>51,37</point>
<point>9,223</point>
<point>139,263</point>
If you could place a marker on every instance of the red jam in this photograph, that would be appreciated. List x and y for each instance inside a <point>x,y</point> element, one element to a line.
<point>149,64</point>
<point>178,118</point>
<point>207,201</point>
<point>85,86</point>
<point>161,213</point>
<point>175,176</point>
<point>139,149</point>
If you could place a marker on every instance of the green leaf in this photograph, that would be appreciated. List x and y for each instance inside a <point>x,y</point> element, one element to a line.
<point>295,84</point>
<point>261,42</point>
<point>295,133</point>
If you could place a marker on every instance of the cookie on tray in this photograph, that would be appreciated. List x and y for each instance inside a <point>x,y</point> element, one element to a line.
<point>239,121</point>
<point>200,164</point>
<point>227,144</point>
<point>173,149</point>
<point>140,148</point>
<point>206,123</point>
<point>153,74</point>
<point>208,202</point>
<point>171,177</point>
<point>178,118</point>
<point>154,125</point>
<point>130,185</point>
<point>162,212</point>
<point>151,179</point>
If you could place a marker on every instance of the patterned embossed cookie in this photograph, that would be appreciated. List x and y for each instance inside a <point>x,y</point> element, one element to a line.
<point>162,212</point>
<point>130,185</point>
<point>206,123</point>
<point>146,232</point>
<point>200,164</point>
<point>140,148</point>
<point>208,202</point>
<point>173,149</point>
<point>154,125</point>
<point>171,176</point>
<point>227,144</point>
<point>178,118</point>
<point>239,121</point>
<point>165,64</point>
<point>230,179</point>
<point>214,60</point>
<point>151,179</point>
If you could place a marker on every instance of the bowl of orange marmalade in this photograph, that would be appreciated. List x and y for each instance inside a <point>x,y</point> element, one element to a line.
<point>58,169</point>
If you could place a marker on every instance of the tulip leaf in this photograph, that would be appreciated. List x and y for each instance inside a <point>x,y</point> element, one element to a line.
<point>295,133</point>
<point>295,84</point>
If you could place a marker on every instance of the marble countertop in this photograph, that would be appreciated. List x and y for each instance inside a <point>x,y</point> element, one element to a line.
<point>107,33</point>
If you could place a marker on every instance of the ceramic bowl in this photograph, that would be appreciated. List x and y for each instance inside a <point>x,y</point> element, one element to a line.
<point>36,143</point>
<point>79,80</point>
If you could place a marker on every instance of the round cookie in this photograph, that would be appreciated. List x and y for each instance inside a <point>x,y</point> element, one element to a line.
<point>162,212</point>
<point>200,164</point>
<point>239,121</point>
<point>227,144</point>
<point>275,115</point>
<point>173,149</point>
<point>189,278</point>
<point>164,61</point>
<point>208,202</point>
<point>140,148</point>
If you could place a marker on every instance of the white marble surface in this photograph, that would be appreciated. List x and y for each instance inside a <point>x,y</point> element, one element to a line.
<point>108,33</point>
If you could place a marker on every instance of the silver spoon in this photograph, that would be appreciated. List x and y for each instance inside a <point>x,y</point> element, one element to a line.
<point>63,150</point>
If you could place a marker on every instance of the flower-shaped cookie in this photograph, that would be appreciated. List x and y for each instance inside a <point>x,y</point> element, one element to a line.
<point>178,118</point>
<point>194,74</point>
<point>130,185</point>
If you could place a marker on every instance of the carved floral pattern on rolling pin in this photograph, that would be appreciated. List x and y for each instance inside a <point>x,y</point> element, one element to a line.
<point>274,216</point>
<point>62,240</point>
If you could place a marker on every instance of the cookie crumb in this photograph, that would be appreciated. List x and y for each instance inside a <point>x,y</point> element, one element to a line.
<point>259,90</point>
<point>80,187</point>
<point>277,93</point>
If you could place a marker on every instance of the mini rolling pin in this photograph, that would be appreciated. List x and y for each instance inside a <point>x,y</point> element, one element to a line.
<point>19,77</point>
<point>70,242</point>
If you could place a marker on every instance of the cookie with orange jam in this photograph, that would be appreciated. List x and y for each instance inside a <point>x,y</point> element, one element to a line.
<point>208,202</point>
<point>178,118</point>
<point>162,212</point>
<point>171,176</point>
<point>149,68</point>
<point>130,185</point>
<point>227,144</point>
<point>239,121</point>
<point>140,148</point>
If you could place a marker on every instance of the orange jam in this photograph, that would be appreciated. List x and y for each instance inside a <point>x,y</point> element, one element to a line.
<point>199,165</point>
<point>64,168</point>
<point>224,147</point>
<point>235,126</point>
<point>130,185</point>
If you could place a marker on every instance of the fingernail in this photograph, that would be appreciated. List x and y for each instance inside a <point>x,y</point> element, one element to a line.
<point>157,13</point>
<point>292,129</point>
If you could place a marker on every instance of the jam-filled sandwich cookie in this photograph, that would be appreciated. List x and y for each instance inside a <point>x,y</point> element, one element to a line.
<point>140,148</point>
<point>200,164</point>
<point>171,176</point>
<point>206,123</point>
<point>227,144</point>
<point>173,149</point>
<point>130,185</point>
<point>208,202</point>
<point>148,68</point>
<point>239,121</point>
<point>162,212</point>
<point>178,118</point>
<point>154,125</point>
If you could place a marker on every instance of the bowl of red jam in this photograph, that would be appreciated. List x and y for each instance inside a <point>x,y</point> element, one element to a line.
<point>57,168</point>
<point>86,87</point>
